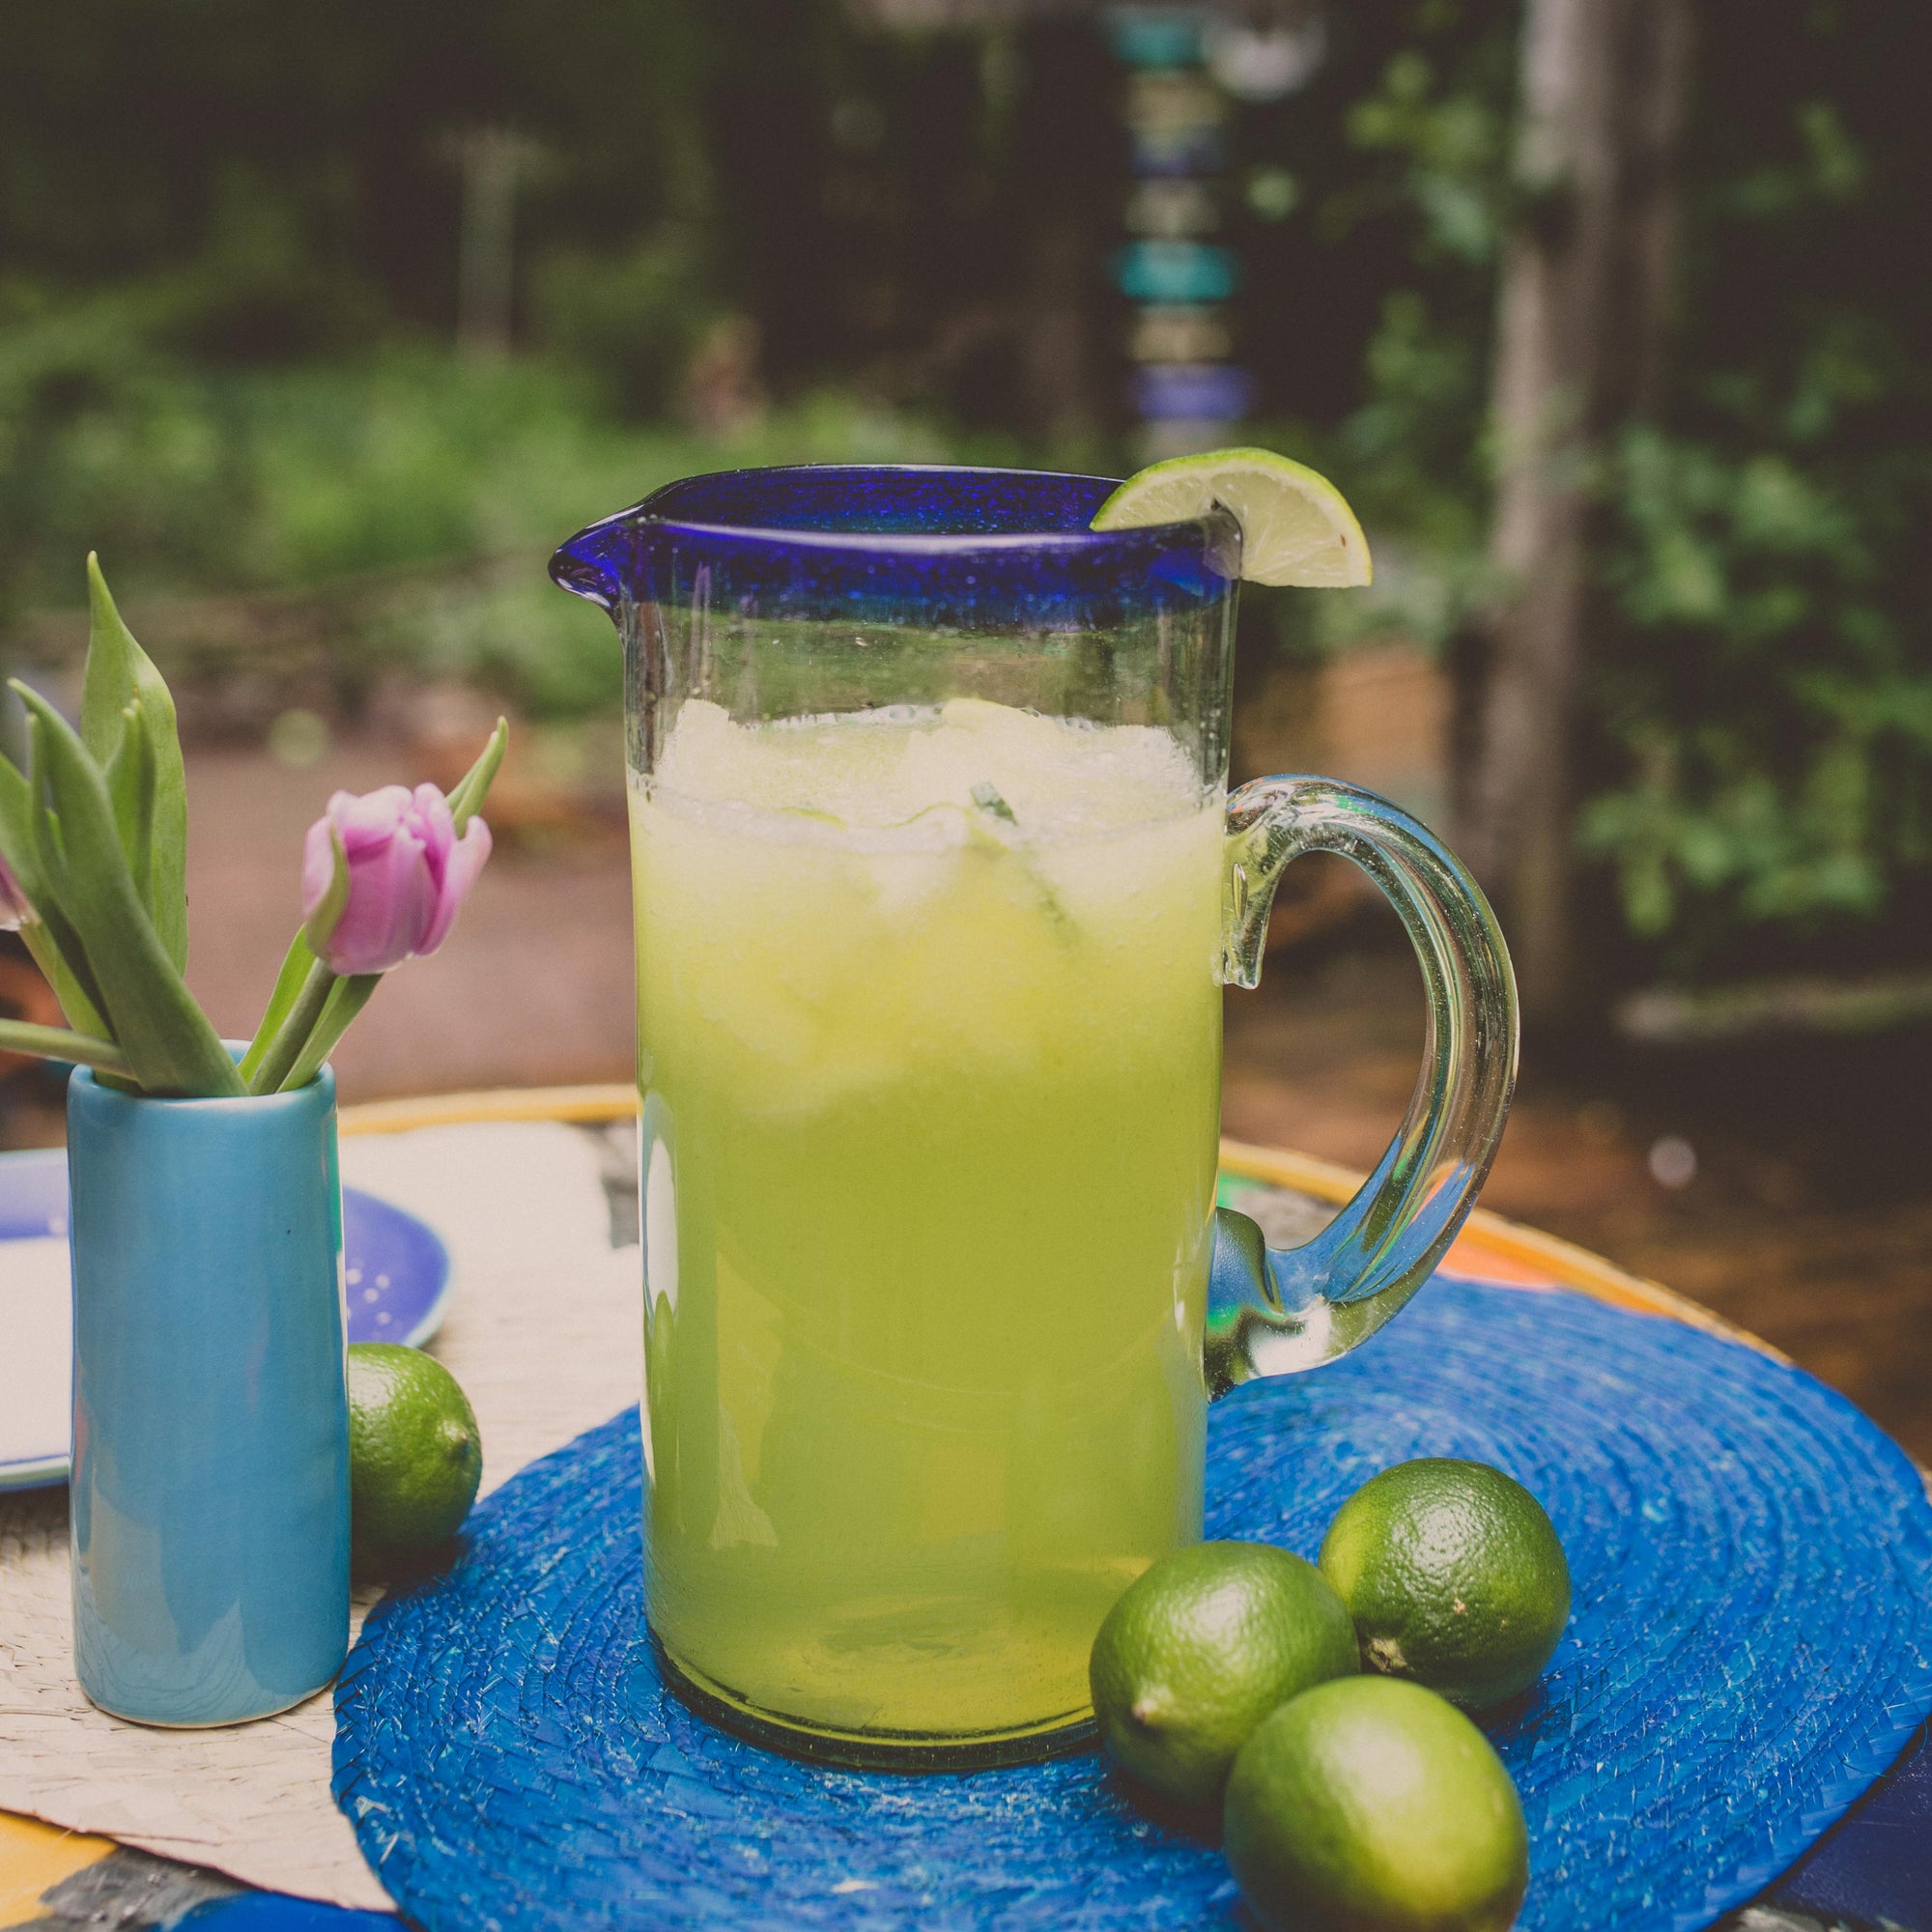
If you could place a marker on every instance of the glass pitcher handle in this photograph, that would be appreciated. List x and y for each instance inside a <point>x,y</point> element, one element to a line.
<point>1276,1311</point>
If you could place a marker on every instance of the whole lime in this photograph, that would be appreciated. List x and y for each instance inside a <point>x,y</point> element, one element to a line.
<point>414,1455</point>
<point>1369,1806</point>
<point>1200,1648</point>
<point>1454,1576</point>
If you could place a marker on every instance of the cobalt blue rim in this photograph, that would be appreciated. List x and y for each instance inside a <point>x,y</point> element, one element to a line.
<point>923,546</point>
<point>1079,494</point>
<point>909,534</point>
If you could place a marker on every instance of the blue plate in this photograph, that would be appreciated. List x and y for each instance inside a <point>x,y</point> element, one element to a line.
<point>395,1268</point>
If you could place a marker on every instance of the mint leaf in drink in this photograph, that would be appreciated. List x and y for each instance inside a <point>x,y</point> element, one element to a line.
<point>986,796</point>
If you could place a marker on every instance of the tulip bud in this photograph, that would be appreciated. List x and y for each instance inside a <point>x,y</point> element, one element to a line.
<point>14,911</point>
<point>384,874</point>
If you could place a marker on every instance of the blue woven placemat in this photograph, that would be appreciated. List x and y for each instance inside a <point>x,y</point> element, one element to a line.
<point>1751,1646</point>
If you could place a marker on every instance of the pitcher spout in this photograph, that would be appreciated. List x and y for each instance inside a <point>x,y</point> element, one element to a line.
<point>597,562</point>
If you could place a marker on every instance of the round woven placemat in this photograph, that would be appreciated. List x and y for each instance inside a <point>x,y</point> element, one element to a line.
<point>1751,1646</point>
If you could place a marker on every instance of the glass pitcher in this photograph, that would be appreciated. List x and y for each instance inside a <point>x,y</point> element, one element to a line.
<point>937,884</point>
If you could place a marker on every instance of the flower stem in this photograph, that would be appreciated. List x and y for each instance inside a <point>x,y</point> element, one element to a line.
<point>293,1036</point>
<point>47,1043</point>
<point>347,998</point>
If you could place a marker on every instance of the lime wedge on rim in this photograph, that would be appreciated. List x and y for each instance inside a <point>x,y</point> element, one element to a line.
<point>1296,528</point>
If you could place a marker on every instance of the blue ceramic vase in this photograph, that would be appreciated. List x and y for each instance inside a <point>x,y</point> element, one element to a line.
<point>211,1418</point>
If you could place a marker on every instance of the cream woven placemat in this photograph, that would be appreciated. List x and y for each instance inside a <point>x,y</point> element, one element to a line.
<point>544,1332</point>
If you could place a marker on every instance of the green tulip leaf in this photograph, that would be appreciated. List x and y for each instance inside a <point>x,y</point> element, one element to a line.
<point>57,1043</point>
<point>16,830</point>
<point>119,673</point>
<point>49,936</point>
<point>68,979</point>
<point>154,1019</point>
<point>131,789</point>
<point>466,800</point>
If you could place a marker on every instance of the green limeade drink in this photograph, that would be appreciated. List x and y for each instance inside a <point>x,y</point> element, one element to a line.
<point>929,1045</point>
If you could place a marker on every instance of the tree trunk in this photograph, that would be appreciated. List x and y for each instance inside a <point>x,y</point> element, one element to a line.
<point>492,160</point>
<point>1580,337</point>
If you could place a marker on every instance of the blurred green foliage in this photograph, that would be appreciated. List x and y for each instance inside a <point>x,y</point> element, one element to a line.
<point>225,309</point>
<point>1760,784</point>
<point>1770,685</point>
<point>409,462</point>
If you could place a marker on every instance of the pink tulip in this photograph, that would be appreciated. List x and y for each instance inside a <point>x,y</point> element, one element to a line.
<point>408,875</point>
<point>14,911</point>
